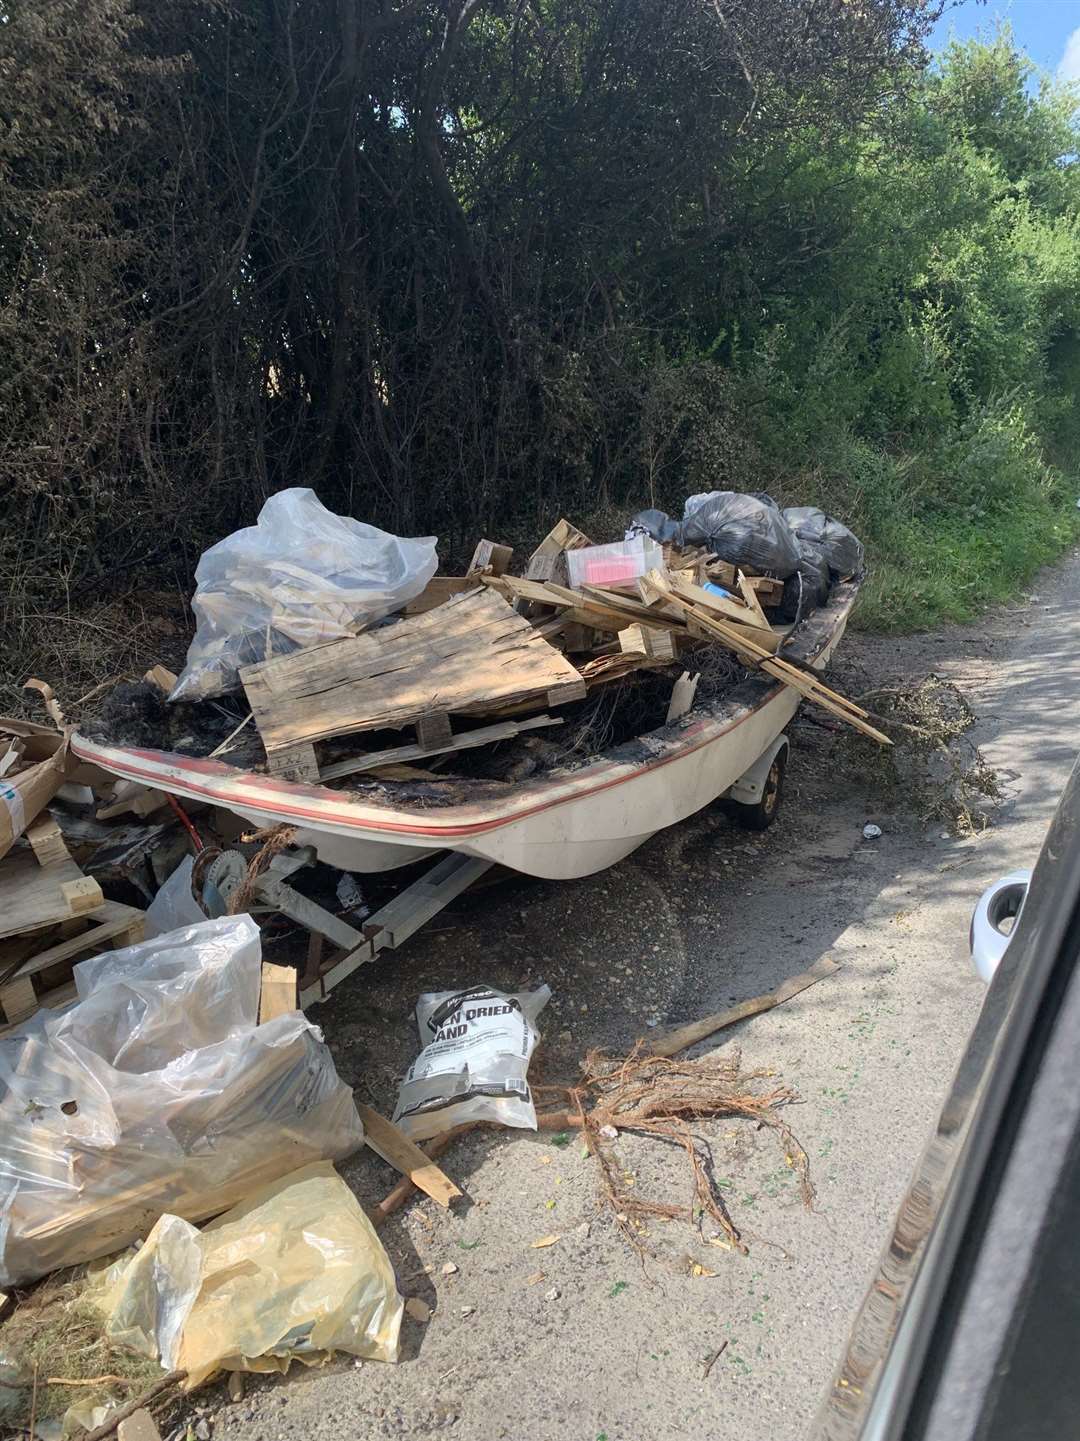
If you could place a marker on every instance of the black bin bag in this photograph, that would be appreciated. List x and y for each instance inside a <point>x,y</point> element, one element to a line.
<point>841,549</point>
<point>744,530</point>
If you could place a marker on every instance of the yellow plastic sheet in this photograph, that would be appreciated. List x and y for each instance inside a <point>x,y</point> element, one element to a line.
<point>294,1271</point>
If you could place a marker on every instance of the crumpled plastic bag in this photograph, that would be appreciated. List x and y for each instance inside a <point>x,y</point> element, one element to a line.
<point>840,548</point>
<point>294,1271</point>
<point>477,1044</point>
<point>158,1091</point>
<point>298,577</point>
<point>741,529</point>
<point>174,906</point>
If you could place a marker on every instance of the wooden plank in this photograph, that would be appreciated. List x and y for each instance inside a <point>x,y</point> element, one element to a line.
<point>767,640</point>
<point>392,1144</point>
<point>482,736</point>
<point>438,591</point>
<point>491,556</point>
<point>767,590</point>
<point>18,999</point>
<point>739,640</point>
<point>46,841</point>
<point>729,609</point>
<point>433,732</point>
<point>293,762</point>
<point>569,691</point>
<point>521,588</point>
<point>613,610</point>
<point>470,656</point>
<point>672,1042</point>
<point>720,571</point>
<point>658,645</point>
<point>749,595</point>
<point>82,894</point>
<point>162,677</point>
<point>277,993</point>
<point>33,897</point>
<point>633,607</point>
<point>108,923</point>
<point>546,561</point>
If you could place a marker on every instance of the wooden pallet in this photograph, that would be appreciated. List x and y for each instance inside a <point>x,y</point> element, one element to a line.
<point>44,978</point>
<point>50,916</point>
<point>472,655</point>
<point>44,886</point>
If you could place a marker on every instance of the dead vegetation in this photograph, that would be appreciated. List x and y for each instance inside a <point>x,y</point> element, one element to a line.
<point>934,761</point>
<point>53,1353</point>
<point>663,1098</point>
<point>934,769</point>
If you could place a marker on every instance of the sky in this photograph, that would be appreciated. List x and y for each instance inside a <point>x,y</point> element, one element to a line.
<point>1049,30</point>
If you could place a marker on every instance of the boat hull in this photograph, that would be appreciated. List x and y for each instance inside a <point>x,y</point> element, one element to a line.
<point>560,826</point>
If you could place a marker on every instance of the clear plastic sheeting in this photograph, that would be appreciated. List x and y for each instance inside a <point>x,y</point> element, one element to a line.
<point>298,577</point>
<point>295,1271</point>
<point>477,1043</point>
<point>156,1092</point>
<point>174,906</point>
<point>839,547</point>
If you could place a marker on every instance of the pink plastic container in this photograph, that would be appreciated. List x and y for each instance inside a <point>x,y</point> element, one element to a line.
<point>613,564</point>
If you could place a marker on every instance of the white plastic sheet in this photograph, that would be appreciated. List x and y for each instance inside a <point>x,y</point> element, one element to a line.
<point>174,906</point>
<point>157,1092</point>
<point>295,1271</point>
<point>298,577</point>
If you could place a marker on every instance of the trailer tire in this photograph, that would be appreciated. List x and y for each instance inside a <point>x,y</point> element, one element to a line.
<point>760,814</point>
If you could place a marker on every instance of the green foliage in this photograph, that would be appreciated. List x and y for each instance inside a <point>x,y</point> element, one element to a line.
<point>922,372</point>
<point>464,266</point>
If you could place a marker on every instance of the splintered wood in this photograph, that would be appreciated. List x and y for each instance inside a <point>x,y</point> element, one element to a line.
<point>470,656</point>
<point>741,642</point>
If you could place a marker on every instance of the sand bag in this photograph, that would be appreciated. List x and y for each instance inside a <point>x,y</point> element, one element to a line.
<point>475,1060</point>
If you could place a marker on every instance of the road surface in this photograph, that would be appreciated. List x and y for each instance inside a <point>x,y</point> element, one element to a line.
<point>604,1349</point>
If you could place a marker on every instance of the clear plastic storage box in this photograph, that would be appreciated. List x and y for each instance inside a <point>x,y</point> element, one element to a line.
<point>613,564</point>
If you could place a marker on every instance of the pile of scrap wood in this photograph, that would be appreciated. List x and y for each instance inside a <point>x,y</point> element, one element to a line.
<point>51,914</point>
<point>508,648</point>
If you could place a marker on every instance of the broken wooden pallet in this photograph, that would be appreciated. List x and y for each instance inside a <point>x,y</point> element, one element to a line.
<point>474,655</point>
<point>548,560</point>
<point>43,977</point>
<point>482,736</point>
<point>739,640</point>
<point>438,591</point>
<point>43,886</point>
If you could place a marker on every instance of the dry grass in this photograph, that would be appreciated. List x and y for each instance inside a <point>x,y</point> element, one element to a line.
<point>80,649</point>
<point>934,762</point>
<point>54,1336</point>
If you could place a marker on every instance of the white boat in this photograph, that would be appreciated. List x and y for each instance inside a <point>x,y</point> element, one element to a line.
<point>561,825</point>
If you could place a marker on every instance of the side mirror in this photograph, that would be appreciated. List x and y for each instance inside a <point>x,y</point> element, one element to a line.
<point>995,919</point>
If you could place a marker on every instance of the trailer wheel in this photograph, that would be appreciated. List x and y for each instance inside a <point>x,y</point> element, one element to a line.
<point>760,814</point>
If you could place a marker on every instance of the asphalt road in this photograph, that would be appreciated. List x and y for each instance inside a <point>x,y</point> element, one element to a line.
<point>603,1348</point>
